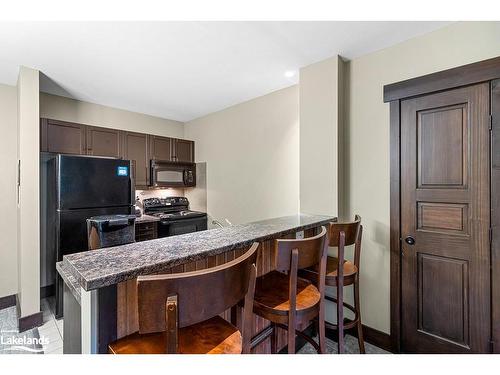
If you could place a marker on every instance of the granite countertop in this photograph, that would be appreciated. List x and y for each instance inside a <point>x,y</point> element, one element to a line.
<point>146,219</point>
<point>70,280</point>
<point>99,268</point>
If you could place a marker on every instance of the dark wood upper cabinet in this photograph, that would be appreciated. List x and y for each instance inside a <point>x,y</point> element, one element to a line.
<point>103,142</point>
<point>62,137</point>
<point>160,148</point>
<point>135,148</point>
<point>183,150</point>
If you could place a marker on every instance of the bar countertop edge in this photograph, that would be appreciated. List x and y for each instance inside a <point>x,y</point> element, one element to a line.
<point>100,268</point>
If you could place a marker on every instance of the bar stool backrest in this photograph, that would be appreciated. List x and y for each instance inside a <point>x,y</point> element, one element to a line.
<point>310,251</point>
<point>197,295</point>
<point>351,230</point>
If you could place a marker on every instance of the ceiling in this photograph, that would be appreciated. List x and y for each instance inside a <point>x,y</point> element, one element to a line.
<point>183,70</point>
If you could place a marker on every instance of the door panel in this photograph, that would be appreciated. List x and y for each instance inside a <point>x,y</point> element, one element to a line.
<point>85,182</point>
<point>136,150</point>
<point>442,147</point>
<point>161,148</point>
<point>183,150</point>
<point>62,137</point>
<point>445,209</point>
<point>438,277</point>
<point>103,142</point>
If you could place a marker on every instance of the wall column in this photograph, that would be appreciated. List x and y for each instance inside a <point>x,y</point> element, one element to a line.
<point>28,204</point>
<point>321,109</point>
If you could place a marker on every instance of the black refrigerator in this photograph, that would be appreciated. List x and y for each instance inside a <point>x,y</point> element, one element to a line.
<point>83,187</point>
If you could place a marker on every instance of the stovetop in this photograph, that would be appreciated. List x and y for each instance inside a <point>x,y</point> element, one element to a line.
<point>177,215</point>
<point>170,208</point>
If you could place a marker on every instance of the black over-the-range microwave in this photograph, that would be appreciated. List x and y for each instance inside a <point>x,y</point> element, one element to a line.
<point>172,174</point>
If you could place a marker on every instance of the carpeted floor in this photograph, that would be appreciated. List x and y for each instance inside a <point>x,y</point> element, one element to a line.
<point>351,347</point>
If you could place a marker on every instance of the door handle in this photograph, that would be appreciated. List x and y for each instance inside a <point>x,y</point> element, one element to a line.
<point>410,240</point>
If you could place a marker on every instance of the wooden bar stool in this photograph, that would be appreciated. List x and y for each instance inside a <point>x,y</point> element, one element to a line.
<point>341,235</point>
<point>288,301</point>
<point>179,313</point>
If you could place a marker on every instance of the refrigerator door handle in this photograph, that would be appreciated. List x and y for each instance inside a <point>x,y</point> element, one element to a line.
<point>132,185</point>
<point>117,222</point>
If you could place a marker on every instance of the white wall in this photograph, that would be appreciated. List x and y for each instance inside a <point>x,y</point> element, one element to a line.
<point>367,139</point>
<point>65,109</point>
<point>8,191</point>
<point>252,155</point>
<point>28,229</point>
<point>319,96</point>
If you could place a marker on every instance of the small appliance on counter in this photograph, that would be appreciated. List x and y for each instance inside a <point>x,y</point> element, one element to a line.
<point>175,216</point>
<point>138,208</point>
<point>110,230</point>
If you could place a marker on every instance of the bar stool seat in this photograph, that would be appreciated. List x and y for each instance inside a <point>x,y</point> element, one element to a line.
<point>342,234</point>
<point>350,271</point>
<point>272,296</point>
<point>213,336</point>
<point>290,302</point>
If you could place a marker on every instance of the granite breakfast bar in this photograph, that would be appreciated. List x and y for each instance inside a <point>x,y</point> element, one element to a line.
<point>101,283</point>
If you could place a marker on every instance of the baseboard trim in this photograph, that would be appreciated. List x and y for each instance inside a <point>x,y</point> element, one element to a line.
<point>370,335</point>
<point>47,291</point>
<point>7,301</point>
<point>29,321</point>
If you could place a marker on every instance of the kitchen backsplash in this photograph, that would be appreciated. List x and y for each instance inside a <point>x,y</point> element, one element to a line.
<point>159,193</point>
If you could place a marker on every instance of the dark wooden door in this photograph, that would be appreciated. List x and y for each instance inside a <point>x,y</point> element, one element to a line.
<point>445,274</point>
<point>135,148</point>
<point>62,137</point>
<point>103,142</point>
<point>160,148</point>
<point>183,150</point>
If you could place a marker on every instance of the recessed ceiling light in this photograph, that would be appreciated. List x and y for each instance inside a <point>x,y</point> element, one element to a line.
<point>289,73</point>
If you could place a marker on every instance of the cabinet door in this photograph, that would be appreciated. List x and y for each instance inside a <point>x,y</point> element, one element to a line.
<point>135,148</point>
<point>62,137</point>
<point>103,142</point>
<point>183,150</point>
<point>161,148</point>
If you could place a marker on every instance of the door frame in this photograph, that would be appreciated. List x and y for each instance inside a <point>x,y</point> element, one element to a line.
<point>483,71</point>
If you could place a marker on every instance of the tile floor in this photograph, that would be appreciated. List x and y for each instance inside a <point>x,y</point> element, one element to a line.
<point>13,342</point>
<point>52,328</point>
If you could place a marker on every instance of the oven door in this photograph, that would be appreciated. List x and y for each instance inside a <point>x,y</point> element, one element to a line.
<point>182,226</point>
<point>172,174</point>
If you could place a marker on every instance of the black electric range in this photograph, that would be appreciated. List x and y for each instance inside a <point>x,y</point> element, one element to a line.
<point>175,216</point>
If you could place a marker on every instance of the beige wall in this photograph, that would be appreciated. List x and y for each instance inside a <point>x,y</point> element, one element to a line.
<point>64,109</point>
<point>251,150</point>
<point>8,218</point>
<point>319,96</point>
<point>367,139</point>
<point>29,192</point>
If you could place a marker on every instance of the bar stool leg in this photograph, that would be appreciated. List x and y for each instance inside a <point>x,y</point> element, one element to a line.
<point>340,318</point>
<point>321,329</point>
<point>340,292</point>
<point>274,339</point>
<point>361,340</point>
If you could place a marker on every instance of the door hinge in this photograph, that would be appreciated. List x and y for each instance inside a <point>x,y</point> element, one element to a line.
<point>490,234</point>
<point>491,122</point>
<point>492,346</point>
